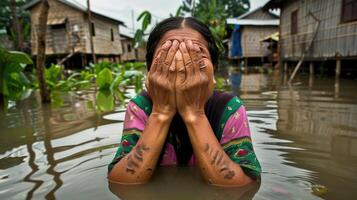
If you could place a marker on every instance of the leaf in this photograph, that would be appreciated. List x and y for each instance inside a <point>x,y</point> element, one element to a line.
<point>19,57</point>
<point>115,84</point>
<point>319,190</point>
<point>105,101</point>
<point>138,37</point>
<point>104,79</point>
<point>53,74</point>
<point>179,11</point>
<point>139,65</point>
<point>146,17</point>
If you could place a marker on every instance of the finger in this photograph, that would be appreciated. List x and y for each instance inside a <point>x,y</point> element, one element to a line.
<point>164,50</point>
<point>180,67</point>
<point>186,60</point>
<point>172,72</point>
<point>154,64</point>
<point>198,60</point>
<point>147,84</point>
<point>171,53</point>
<point>169,57</point>
<point>193,55</point>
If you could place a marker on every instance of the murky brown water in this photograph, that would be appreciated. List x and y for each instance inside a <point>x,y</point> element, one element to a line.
<point>303,136</point>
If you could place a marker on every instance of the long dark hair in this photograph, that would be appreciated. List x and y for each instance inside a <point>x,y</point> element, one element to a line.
<point>176,23</point>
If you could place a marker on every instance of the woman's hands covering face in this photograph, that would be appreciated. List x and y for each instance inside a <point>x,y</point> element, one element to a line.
<point>194,81</point>
<point>180,78</point>
<point>161,80</point>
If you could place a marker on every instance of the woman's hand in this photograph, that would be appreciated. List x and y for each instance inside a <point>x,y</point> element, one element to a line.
<point>194,84</point>
<point>161,80</point>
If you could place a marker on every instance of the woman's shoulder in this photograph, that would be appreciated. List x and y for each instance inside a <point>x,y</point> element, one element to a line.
<point>225,100</point>
<point>219,107</point>
<point>143,101</point>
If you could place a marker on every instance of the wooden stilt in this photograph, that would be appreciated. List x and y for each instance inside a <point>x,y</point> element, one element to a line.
<point>311,68</point>
<point>337,77</point>
<point>311,76</point>
<point>338,68</point>
<point>285,67</point>
<point>246,65</point>
<point>285,75</point>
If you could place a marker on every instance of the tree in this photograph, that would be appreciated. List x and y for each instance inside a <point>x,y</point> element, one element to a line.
<point>16,25</point>
<point>214,13</point>
<point>232,8</point>
<point>41,51</point>
<point>15,21</point>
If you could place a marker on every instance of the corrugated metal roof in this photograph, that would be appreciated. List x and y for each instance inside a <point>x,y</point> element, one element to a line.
<point>254,22</point>
<point>255,10</point>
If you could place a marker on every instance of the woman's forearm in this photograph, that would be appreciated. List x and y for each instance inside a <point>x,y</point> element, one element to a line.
<point>138,166</point>
<point>217,168</point>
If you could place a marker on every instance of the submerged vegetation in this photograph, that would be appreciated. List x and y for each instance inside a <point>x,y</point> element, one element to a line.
<point>109,80</point>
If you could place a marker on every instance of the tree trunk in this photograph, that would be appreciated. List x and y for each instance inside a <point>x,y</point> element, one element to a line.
<point>16,26</point>
<point>90,32</point>
<point>41,51</point>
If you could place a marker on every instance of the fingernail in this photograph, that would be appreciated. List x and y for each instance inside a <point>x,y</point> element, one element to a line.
<point>166,44</point>
<point>175,42</point>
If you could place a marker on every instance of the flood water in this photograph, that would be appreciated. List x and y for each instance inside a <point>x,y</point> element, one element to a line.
<point>305,137</point>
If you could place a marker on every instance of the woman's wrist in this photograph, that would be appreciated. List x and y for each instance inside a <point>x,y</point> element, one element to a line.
<point>192,116</point>
<point>163,112</point>
<point>162,116</point>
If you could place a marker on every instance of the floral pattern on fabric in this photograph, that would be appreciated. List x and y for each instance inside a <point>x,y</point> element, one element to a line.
<point>128,141</point>
<point>237,143</point>
<point>241,152</point>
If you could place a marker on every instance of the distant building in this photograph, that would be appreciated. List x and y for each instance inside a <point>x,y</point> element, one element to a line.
<point>249,30</point>
<point>68,33</point>
<point>129,52</point>
<point>321,30</point>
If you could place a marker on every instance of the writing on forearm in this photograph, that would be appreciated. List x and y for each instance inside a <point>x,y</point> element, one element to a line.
<point>217,159</point>
<point>135,159</point>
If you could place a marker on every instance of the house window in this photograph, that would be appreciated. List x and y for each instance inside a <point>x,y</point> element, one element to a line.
<point>112,34</point>
<point>294,25</point>
<point>349,8</point>
<point>93,29</point>
<point>129,48</point>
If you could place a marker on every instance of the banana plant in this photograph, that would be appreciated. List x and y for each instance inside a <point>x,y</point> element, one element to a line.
<point>13,82</point>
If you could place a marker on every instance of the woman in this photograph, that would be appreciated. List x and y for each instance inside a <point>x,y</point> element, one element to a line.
<point>180,119</point>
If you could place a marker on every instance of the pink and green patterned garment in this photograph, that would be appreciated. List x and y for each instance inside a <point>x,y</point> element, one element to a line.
<point>228,119</point>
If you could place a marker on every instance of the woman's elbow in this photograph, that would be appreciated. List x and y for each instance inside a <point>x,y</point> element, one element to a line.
<point>128,179</point>
<point>236,181</point>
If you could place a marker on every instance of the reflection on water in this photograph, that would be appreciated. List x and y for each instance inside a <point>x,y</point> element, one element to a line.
<point>304,135</point>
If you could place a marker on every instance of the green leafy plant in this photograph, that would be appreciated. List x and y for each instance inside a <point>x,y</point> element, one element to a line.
<point>104,79</point>
<point>214,13</point>
<point>13,82</point>
<point>53,76</point>
<point>145,16</point>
